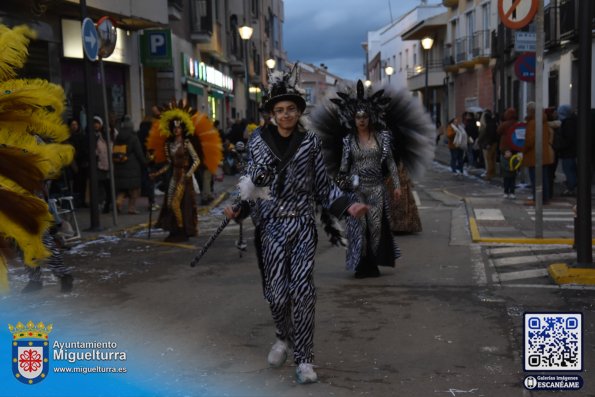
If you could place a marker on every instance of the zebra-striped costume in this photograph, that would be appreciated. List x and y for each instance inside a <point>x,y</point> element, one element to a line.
<point>370,239</point>
<point>55,262</point>
<point>297,180</point>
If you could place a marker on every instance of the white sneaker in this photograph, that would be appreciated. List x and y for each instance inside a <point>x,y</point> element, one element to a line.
<point>506,195</point>
<point>278,354</point>
<point>465,173</point>
<point>512,196</point>
<point>305,373</point>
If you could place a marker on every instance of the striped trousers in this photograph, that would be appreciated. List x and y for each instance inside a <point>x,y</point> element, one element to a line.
<point>55,262</point>
<point>288,248</point>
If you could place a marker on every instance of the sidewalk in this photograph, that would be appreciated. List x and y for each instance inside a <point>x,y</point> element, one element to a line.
<point>494,219</point>
<point>129,222</point>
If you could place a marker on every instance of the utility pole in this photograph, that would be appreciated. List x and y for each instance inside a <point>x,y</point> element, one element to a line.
<point>92,143</point>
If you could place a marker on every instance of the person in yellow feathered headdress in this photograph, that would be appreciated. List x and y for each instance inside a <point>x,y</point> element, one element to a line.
<point>181,139</point>
<point>30,111</point>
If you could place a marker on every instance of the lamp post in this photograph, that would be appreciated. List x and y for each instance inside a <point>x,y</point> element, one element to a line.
<point>427,43</point>
<point>245,34</point>
<point>367,83</point>
<point>389,70</point>
<point>271,63</point>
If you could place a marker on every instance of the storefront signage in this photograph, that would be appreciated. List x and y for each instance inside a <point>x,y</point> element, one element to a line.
<point>206,74</point>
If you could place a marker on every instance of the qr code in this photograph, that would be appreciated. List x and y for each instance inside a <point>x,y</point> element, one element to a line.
<point>553,342</point>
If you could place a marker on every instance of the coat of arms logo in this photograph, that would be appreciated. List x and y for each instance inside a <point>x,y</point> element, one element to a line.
<point>30,351</point>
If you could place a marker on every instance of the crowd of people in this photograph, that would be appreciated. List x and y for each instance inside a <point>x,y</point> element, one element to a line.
<point>510,142</point>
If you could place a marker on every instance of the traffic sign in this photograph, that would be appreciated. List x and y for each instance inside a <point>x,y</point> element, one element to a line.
<point>524,66</point>
<point>515,136</point>
<point>90,39</point>
<point>516,14</point>
<point>156,48</point>
<point>525,41</point>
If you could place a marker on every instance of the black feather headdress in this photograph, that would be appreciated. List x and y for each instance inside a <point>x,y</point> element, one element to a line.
<point>412,130</point>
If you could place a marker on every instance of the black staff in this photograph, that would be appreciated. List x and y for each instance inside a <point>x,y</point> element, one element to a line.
<point>213,237</point>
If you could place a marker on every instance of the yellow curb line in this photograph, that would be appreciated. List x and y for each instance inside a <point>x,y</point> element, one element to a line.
<point>476,238</point>
<point>562,274</point>
<point>160,242</point>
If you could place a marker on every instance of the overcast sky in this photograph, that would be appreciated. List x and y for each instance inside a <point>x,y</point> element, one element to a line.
<point>331,31</point>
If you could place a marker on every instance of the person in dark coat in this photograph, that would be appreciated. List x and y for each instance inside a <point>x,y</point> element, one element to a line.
<point>129,161</point>
<point>565,147</point>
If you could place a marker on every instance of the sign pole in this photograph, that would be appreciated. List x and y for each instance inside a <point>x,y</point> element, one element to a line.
<point>583,233</point>
<point>109,146</point>
<point>91,140</point>
<point>539,171</point>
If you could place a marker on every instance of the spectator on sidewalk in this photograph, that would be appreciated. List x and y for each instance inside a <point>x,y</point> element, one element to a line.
<point>565,147</point>
<point>488,142</point>
<point>529,153</point>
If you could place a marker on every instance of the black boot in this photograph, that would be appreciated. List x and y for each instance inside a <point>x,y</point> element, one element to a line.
<point>66,283</point>
<point>32,286</point>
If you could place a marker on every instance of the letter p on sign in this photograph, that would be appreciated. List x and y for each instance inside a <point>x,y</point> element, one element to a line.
<point>157,46</point>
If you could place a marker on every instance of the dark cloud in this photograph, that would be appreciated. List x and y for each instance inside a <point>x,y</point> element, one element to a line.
<point>331,31</point>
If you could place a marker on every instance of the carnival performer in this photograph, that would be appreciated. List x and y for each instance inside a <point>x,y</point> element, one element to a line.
<point>404,215</point>
<point>30,112</point>
<point>179,138</point>
<point>372,131</point>
<point>285,176</point>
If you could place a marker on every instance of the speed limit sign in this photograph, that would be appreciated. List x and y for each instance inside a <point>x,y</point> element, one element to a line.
<point>516,14</point>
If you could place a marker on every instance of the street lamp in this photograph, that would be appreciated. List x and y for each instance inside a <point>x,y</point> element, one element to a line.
<point>367,83</point>
<point>271,63</point>
<point>427,43</point>
<point>389,70</point>
<point>245,34</point>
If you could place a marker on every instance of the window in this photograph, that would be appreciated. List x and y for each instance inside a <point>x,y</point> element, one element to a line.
<point>406,58</point>
<point>485,16</point>
<point>414,55</point>
<point>400,61</point>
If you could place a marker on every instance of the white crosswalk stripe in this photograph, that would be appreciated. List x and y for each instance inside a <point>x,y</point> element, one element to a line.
<point>526,264</point>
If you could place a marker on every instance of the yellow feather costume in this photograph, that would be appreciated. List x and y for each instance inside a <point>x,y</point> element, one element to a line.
<point>30,110</point>
<point>196,123</point>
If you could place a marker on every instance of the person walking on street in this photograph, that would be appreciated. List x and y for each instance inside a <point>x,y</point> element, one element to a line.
<point>129,162</point>
<point>285,161</point>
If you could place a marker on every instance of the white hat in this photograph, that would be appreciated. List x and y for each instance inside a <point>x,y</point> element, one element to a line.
<point>98,119</point>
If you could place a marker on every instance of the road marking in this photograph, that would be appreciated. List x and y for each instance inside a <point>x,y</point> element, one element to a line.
<point>488,214</point>
<point>522,260</point>
<point>522,275</point>
<point>416,198</point>
<point>479,270</point>
<point>565,212</point>
<point>530,248</point>
<point>569,219</point>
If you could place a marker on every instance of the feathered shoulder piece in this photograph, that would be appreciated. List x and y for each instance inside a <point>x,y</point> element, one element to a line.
<point>31,148</point>
<point>195,124</point>
<point>411,129</point>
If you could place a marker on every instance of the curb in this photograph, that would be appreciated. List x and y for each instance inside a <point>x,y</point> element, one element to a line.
<point>561,273</point>
<point>476,236</point>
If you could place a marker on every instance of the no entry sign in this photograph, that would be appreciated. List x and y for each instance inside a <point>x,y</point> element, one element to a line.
<point>516,14</point>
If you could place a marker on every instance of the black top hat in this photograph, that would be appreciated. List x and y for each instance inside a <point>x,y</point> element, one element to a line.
<point>283,87</point>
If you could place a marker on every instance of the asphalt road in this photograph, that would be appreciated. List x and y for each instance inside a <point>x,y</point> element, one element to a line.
<point>438,324</point>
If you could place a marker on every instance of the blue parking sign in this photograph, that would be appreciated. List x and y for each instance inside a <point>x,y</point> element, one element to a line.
<point>156,48</point>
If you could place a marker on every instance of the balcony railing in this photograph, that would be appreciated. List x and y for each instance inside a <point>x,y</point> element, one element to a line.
<point>461,49</point>
<point>433,66</point>
<point>201,21</point>
<point>481,43</point>
<point>550,26</point>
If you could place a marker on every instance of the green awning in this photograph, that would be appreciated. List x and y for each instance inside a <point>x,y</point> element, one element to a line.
<point>216,94</point>
<point>194,88</point>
